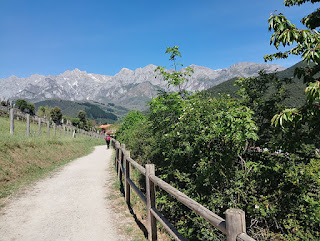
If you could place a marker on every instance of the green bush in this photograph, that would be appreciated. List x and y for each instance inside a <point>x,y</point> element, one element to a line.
<point>283,194</point>
<point>200,145</point>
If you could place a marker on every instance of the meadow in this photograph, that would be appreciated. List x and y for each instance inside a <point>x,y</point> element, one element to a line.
<point>24,159</point>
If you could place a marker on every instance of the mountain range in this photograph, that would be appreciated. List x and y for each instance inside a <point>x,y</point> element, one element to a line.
<point>127,88</point>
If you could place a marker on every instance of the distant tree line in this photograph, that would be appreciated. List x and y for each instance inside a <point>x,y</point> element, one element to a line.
<point>95,112</point>
<point>56,115</point>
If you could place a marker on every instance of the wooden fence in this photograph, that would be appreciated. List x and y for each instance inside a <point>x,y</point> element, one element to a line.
<point>63,130</point>
<point>234,226</point>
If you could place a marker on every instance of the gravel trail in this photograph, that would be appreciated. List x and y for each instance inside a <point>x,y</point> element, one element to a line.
<point>69,205</point>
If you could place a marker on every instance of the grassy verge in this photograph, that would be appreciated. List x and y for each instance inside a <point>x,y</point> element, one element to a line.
<point>136,214</point>
<point>128,223</point>
<point>26,159</point>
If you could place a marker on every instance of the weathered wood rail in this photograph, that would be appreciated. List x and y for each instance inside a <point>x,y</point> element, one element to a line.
<point>234,226</point>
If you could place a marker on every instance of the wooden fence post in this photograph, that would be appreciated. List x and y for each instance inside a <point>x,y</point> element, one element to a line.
<point>60,130</point>
<point>64,130</point>
<point>39,125</point>
<point>11,121</point>
<point>235,223</point>
<point>48,128</point>
<point>151,203</point>
<point>127,175</point>
<point>28,124</point>
<point>123,146</point>
<point>117,146</point>
<point>54,129</point>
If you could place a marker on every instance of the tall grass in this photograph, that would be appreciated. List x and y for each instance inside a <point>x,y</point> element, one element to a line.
<point>24,159</point>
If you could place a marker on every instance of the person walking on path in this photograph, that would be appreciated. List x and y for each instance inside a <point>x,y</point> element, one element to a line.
<point>108,138</point>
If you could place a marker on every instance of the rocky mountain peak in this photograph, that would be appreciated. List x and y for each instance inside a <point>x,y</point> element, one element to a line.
<point>75,72</point>
<point>150,67</point>
<point>243,65</point>
<point>125,71</point>
<point>128,88</point>
<point>12,77</point>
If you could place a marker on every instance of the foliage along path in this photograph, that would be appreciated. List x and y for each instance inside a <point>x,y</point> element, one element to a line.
<point>69,205</point>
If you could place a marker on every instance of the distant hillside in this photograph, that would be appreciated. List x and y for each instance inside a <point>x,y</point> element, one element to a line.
<point>296,89</point>
<point>97,111</point>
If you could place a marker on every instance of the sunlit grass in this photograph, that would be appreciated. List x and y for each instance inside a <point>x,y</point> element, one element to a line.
<point>24,159</point>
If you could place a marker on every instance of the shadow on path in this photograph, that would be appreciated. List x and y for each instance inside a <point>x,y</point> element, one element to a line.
<point>138,222</point>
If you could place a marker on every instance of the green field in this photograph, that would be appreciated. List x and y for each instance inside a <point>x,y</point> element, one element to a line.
<point>26,159</point>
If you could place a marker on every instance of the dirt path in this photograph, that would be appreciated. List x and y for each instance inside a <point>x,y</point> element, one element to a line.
<point>69,205</point>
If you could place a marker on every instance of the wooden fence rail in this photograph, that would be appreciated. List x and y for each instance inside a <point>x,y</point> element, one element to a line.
<point>234,226</point>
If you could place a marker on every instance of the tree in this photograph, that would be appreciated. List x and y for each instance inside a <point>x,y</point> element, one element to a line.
<point>56,115</point>
<point>25,106</point>
<point>31,108</point>
<point>82,116</point>
<point>131,119</point>
<point>175,78</point>
<point>83,122</point>
<point>4,103</point>
<point>44,111</point>
<point>300,127</point>
<point>196,144</point>
<point>42,108</point>
<point>265,95</point>
<point>21,104</point>
<point>306,41</point>
<point>75,122</point>
<point>303,121</point>
<point>174,51</point>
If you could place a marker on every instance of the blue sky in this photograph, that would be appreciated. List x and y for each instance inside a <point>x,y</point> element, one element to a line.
<point>48,37</point>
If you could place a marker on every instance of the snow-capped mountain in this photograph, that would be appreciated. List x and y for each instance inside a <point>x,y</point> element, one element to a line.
<point>128,88</point>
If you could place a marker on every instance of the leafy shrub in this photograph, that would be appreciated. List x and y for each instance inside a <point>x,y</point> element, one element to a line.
<point>200,146</point>
<point>283,194</point>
